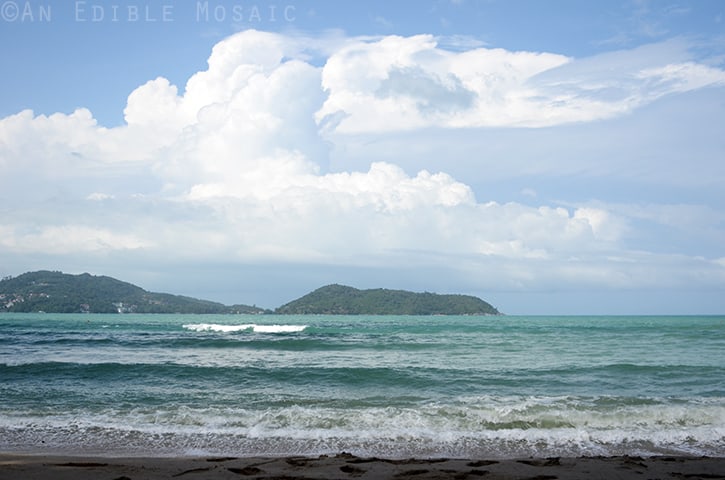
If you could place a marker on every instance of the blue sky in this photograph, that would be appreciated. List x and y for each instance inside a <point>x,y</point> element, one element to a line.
<point>548,156</point>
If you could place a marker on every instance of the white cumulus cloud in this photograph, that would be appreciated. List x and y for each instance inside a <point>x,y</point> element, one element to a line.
<point>400,83</point>
<point>238,162</point>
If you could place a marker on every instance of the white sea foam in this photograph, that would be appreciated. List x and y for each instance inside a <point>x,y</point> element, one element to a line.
<point>279,328</point>
<point>215,327</point>
<point>426,430</point>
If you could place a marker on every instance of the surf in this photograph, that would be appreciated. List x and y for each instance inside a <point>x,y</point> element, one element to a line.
<point>253,327</point>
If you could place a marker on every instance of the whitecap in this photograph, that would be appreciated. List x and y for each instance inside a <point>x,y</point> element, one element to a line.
<point>215,327</point>
<point>279,328</point>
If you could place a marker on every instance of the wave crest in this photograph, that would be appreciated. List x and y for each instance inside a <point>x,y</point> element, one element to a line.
<point>215,327</point>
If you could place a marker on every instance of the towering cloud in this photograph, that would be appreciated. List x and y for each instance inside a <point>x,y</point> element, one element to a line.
<point>235,166</point>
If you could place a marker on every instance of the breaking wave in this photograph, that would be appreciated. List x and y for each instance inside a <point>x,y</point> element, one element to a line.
<point>215,327</point>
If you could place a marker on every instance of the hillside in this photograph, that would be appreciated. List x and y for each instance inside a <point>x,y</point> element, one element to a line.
<point>343,300</point>
<point>56,292</point>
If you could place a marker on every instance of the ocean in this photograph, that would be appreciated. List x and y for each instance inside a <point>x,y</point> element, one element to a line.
<point>386,386</point>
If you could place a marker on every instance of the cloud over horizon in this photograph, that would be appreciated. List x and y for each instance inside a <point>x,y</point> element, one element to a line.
<point>236,166</point>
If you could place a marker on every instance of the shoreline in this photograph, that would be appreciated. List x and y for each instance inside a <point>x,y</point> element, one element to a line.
<point>344,465</point>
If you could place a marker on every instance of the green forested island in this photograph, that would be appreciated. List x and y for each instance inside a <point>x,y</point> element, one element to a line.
<point>57,292</point>
<point>343,300</point>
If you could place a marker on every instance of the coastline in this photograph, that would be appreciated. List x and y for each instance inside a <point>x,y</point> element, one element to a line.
<point>344,465</point>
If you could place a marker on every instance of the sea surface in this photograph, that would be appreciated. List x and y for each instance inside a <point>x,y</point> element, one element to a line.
<point>388,386</point>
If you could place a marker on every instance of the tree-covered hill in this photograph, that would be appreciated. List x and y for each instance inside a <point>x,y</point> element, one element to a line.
<point>344,300</point>
<point>56,292</point>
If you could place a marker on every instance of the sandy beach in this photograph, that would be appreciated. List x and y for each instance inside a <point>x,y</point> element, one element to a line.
<point>346,466</point>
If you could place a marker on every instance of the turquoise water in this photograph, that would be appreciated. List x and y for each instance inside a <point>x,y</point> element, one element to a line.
<point>394,386</point>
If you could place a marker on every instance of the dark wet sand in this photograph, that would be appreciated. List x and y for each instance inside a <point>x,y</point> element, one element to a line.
<point>346,466</point>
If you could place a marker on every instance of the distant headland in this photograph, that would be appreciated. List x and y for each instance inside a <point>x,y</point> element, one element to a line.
<point>57,292</point>
<point>343,300</point>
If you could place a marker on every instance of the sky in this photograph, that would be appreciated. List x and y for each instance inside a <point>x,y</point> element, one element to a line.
<point>550,157</point>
